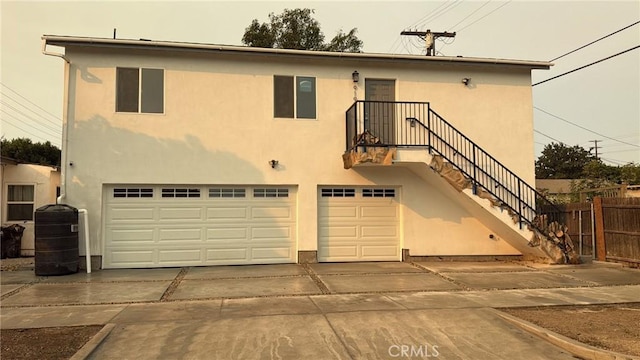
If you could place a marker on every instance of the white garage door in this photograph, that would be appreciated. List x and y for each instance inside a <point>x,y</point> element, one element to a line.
<point>163,226</point>
<point>358,224</point>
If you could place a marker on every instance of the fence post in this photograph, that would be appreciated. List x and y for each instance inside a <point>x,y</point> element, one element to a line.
<point>599,220</point>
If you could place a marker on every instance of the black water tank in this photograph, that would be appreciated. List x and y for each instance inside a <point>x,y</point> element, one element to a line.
<point>56,240</point>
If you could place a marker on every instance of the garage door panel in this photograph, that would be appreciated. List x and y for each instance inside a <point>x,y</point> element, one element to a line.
<point>338,212</point>
<point>230,254</point>
<point>227,213</point>
<point>130,257</point>
<point>210,225</point>
<point>127,214</point>
<point>271,253</point>
<point>168,214</point>
<point>179,256</point>
<point>183,234</point>
<point>373,251</point>
<point>225,234</point>
<point>339,231</point>
<point>275,232</point>
<point>339,252</point>
<point>375,232</point>
<point>271,212</point>
<point>378,212</point>
<point>131,235</point>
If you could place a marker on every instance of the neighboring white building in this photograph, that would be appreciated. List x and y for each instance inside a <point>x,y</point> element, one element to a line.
<point>26,187</point>
<point>195,154</point>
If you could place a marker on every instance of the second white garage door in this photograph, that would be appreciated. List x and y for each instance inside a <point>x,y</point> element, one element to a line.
<point>358,224</point>
<point>169,225</point>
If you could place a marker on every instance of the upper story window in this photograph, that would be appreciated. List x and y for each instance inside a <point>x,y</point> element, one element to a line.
<point>20,202</point>
<point>140,90</point>
<point>294,97</point>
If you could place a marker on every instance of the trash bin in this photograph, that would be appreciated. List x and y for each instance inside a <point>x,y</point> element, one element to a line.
<point>56,240</point>
<point>11,241</point>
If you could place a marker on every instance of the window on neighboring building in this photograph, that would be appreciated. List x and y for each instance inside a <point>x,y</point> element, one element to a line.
<point>140,90</point>
<point>20,202</point>
<point>294,97</point>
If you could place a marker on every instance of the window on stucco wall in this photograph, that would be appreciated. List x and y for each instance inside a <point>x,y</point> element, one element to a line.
<point>20,202</point>
<point>294,95</point>
<point>140,90</point>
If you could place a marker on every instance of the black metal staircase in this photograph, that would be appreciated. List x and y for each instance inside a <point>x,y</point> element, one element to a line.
<point>415,124</point>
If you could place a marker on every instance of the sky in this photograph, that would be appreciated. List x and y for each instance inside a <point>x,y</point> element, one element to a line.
<point>600,102</point>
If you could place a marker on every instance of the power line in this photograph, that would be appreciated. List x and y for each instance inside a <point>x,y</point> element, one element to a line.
<point>494,10</point>
<point>26,131</point>
<point>595,41</point>
<point>584,128</point>
<point>28,124</point>
<point>443,11</point>
<point>468,16</point>
<point>543,134</point>
<point>586,66</point>
<point>31,110</point>
<point>428,14</point>
<point>617,162</point>
<point>436,12</point>
<point>29,101</point>
<point>54,130</point>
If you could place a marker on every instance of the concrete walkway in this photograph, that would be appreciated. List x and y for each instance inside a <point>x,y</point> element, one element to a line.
<point>322,311</point>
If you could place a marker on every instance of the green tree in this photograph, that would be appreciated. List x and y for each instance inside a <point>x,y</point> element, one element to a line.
<point>559,161</point>
<point>630,173</point>
<point>22,149</point>
<point>348,42</point>
<point>297,29</point>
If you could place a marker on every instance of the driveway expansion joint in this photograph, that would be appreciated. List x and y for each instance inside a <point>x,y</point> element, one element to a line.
<point>174,284</point>
<point>444,277</point>
<point>316,279</point>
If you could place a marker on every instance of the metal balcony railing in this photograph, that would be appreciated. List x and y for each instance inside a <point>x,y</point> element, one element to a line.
<point>415,124</point>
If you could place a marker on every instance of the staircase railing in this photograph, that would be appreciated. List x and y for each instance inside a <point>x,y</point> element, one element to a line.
<point>415,124</point>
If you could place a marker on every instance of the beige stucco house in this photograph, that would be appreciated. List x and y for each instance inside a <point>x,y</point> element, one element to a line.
<point>26,187</point>
<point>196,154</point>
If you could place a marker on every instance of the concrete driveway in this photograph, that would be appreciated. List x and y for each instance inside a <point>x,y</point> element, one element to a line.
<point>332,311</point>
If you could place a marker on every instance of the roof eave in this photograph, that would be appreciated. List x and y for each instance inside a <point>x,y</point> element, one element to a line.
<point>64,41</point>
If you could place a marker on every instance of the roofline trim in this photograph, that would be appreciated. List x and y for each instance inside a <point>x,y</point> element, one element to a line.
<point>63,41</point>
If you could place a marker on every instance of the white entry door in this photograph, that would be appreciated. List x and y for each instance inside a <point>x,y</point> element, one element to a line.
<point>174,225</point>
<point>358,224</point>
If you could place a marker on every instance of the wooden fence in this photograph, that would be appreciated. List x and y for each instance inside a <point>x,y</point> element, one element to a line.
<point>616,222</point>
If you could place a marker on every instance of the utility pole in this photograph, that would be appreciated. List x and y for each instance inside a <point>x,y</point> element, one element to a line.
<point>595,146</point>
<point>429,38</point>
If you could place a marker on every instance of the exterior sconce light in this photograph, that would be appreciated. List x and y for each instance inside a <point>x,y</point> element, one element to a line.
<point>355,76</point>
<point>466,81</point>
<point>273,163</point>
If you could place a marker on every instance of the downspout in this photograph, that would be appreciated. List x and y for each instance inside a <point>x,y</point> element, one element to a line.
<point>63,158</point>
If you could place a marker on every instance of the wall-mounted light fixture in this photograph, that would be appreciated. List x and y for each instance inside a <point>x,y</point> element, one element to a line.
<point>466,81</point>
<point>355,76</point>
<point>273,163</point>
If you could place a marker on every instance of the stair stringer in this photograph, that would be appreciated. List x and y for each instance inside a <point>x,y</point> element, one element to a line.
<point>433,169</point>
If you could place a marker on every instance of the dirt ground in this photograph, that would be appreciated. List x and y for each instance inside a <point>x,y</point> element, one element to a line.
<point>610,327</point>
<point>45,343</point>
